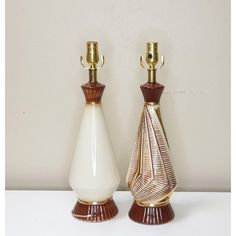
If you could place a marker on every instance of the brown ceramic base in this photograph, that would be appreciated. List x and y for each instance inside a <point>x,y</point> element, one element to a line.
<point>151,215</point>
<point>97,212</point>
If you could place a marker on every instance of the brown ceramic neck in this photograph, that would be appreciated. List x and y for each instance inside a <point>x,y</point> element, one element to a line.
<point>93,92</point>
<point>152,92</point>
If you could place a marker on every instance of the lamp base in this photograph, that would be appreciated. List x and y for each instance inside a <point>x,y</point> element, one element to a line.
<point>95,211</point>
<point>151,215</point>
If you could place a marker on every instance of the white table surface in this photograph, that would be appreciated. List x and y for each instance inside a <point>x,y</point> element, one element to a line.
<point>34,213</point>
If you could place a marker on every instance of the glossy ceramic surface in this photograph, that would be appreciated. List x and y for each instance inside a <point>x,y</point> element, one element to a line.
<point>94,175</point>
<point>150,177</point>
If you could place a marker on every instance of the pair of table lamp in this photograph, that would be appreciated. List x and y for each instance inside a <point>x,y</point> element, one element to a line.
<point>94,176</point>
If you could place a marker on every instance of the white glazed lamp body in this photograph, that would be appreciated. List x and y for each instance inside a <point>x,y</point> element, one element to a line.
<point>94,176</point>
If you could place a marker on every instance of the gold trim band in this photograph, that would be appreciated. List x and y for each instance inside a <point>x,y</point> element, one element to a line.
<point>94,203</point>
<point>151,103</point>
<point>163,202</point>
<point>93,103</point>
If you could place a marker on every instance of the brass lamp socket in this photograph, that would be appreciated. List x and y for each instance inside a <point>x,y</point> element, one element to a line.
<point>152,54</point>
<point>92,54</point>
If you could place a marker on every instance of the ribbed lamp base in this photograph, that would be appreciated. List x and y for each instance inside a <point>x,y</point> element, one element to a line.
<point>95,212</point>
<point>151,215</point>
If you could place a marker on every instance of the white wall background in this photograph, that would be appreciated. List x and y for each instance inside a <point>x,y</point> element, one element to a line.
<point>44,101</point>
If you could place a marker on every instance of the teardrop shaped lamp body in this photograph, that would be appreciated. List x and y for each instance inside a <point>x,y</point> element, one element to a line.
<point>94,176</point>
<point>150,176</point>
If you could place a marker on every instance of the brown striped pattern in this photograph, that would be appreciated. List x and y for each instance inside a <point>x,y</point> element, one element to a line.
<point>150,176</point>
<point>151,215</point>
<point>95,213</point>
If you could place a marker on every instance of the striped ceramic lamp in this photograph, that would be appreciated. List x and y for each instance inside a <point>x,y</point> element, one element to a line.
<point>150,177</point>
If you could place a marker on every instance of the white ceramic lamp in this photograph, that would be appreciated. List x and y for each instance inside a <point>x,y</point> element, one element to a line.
<point>94,176</point>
